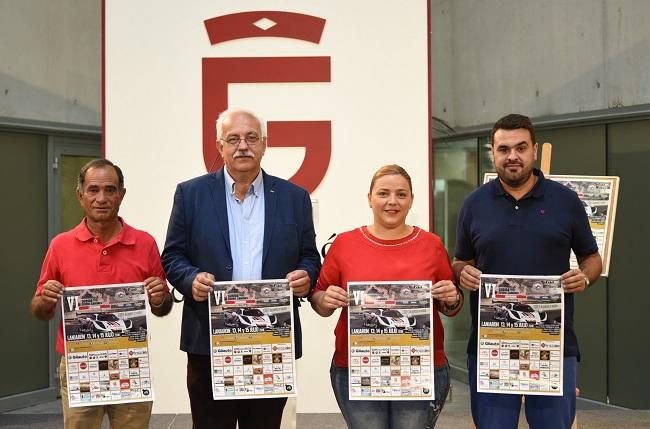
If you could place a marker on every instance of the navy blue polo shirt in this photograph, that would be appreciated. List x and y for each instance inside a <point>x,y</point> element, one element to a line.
<point>532,236</point>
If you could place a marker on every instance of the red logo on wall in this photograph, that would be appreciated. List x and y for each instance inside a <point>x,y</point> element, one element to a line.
<point>314,136</point>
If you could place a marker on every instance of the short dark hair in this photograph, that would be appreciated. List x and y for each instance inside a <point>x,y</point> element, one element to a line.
<point>514,121</point>
<point>98,163</point>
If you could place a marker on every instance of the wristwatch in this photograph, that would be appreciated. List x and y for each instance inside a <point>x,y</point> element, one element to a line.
<point>455,304</point>
<point>587,283</point>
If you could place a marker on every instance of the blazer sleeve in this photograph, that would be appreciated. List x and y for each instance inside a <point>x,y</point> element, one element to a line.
<point>309,256</point>
<point>176,257</point>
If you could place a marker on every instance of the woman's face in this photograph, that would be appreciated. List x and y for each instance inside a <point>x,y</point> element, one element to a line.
<point>390,200</point>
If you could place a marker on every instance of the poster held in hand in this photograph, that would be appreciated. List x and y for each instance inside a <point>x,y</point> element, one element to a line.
<point>252,340</point>
<point>520,335</point>
<point>390,341</point>
<point>106,344</point>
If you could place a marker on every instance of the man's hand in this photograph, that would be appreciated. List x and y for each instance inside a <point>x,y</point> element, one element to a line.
<point>299,283</point>
<point>156,290</point>
<point>43,305</point>
<point>470,278</point>
<point>202,286</point>
<point>574,281</point>
<point>577,279</point>
<point>51,293</point>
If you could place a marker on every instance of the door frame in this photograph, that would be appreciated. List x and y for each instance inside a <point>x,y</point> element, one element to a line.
<point>58,146</point>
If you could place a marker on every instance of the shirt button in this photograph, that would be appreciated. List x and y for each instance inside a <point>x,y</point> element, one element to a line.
<point>516,207</point>
<point>94,240</point>
<point>104,252</point>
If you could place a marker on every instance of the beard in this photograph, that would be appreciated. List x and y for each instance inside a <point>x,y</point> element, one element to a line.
<point>514,179</point>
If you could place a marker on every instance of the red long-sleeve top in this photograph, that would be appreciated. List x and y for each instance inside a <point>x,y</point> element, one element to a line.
<point>357,255</point>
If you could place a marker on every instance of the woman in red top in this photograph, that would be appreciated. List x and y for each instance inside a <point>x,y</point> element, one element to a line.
<point>387,250</point>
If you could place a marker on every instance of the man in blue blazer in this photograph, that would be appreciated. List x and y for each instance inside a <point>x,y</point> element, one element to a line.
<point>236,224</point>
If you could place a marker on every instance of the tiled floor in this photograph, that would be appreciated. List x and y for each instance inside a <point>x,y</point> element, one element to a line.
<point>455,415</point>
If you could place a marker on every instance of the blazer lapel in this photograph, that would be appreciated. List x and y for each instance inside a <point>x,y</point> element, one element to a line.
<point>218,193</point>
<point>270,199</point>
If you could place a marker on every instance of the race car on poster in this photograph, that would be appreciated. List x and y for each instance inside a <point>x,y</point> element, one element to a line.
<point>248,317</point>
<point>103,322</point>
<point>589,209</point>
<point>386,318</point>
<point>514,312</point>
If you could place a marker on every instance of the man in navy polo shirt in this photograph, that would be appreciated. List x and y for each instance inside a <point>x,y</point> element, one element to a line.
<point>524,224</point>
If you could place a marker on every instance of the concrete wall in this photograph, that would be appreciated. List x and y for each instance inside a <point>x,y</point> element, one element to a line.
<point>50,60</point>
<point>538,57</point>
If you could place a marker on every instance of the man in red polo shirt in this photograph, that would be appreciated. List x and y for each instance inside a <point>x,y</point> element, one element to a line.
<point>102,249</point>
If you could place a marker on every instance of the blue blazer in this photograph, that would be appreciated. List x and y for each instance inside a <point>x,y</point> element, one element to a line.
<point>198,240</point>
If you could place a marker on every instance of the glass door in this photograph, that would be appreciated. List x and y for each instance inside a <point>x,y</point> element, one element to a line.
<point>68,155</point>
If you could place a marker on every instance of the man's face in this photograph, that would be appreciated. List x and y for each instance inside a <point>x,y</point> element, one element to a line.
<point>514,156</point>
<point>242,157</point>
<point>101,195</point>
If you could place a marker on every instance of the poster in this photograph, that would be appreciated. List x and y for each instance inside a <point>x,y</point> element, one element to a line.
<point>106,344</point>
<point>520,335</point>
<point>599,196</point>
<point>390,341</point>
<point>251,334</point>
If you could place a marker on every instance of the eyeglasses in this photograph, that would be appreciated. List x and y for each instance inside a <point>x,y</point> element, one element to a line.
<point>251,140</point>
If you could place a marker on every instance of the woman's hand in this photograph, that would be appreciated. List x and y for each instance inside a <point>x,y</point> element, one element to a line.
<point>445,291</point>
<point>325,302</point>
<point>449,297</point>
<point>335,297</point>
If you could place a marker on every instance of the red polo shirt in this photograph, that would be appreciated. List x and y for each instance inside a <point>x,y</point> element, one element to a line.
<point>78,258</point>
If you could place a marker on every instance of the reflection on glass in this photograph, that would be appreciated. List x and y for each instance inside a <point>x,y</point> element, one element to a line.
<point>486,160</point>
<point>71,212</point>
<point>456,172</point>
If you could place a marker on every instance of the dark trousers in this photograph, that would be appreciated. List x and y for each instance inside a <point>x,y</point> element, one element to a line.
<point>210,414</point>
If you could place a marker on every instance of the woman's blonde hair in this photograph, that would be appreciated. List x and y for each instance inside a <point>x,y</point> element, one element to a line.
<point>389,170</point>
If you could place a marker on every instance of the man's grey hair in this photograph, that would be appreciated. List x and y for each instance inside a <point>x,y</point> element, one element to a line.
<point>226,113</point>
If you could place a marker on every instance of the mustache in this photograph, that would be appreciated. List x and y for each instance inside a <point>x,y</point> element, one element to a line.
<point>508,164</point>
<point>244,154</point>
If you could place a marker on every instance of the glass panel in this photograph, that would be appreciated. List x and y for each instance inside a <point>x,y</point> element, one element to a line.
<point>23,227</point>
<point>71,212</point>
<point>455,168</point>
<point>486,160</point>
<point>455,171</point>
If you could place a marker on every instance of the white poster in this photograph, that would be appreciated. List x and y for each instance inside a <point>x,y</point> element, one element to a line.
<point>251,338</point>
<point>390,341</point>
<point>520,335</point>
<point>106,344</point>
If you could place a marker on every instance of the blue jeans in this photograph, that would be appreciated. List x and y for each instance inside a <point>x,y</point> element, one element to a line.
<point>390,414</point>
<point>501,411</point>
